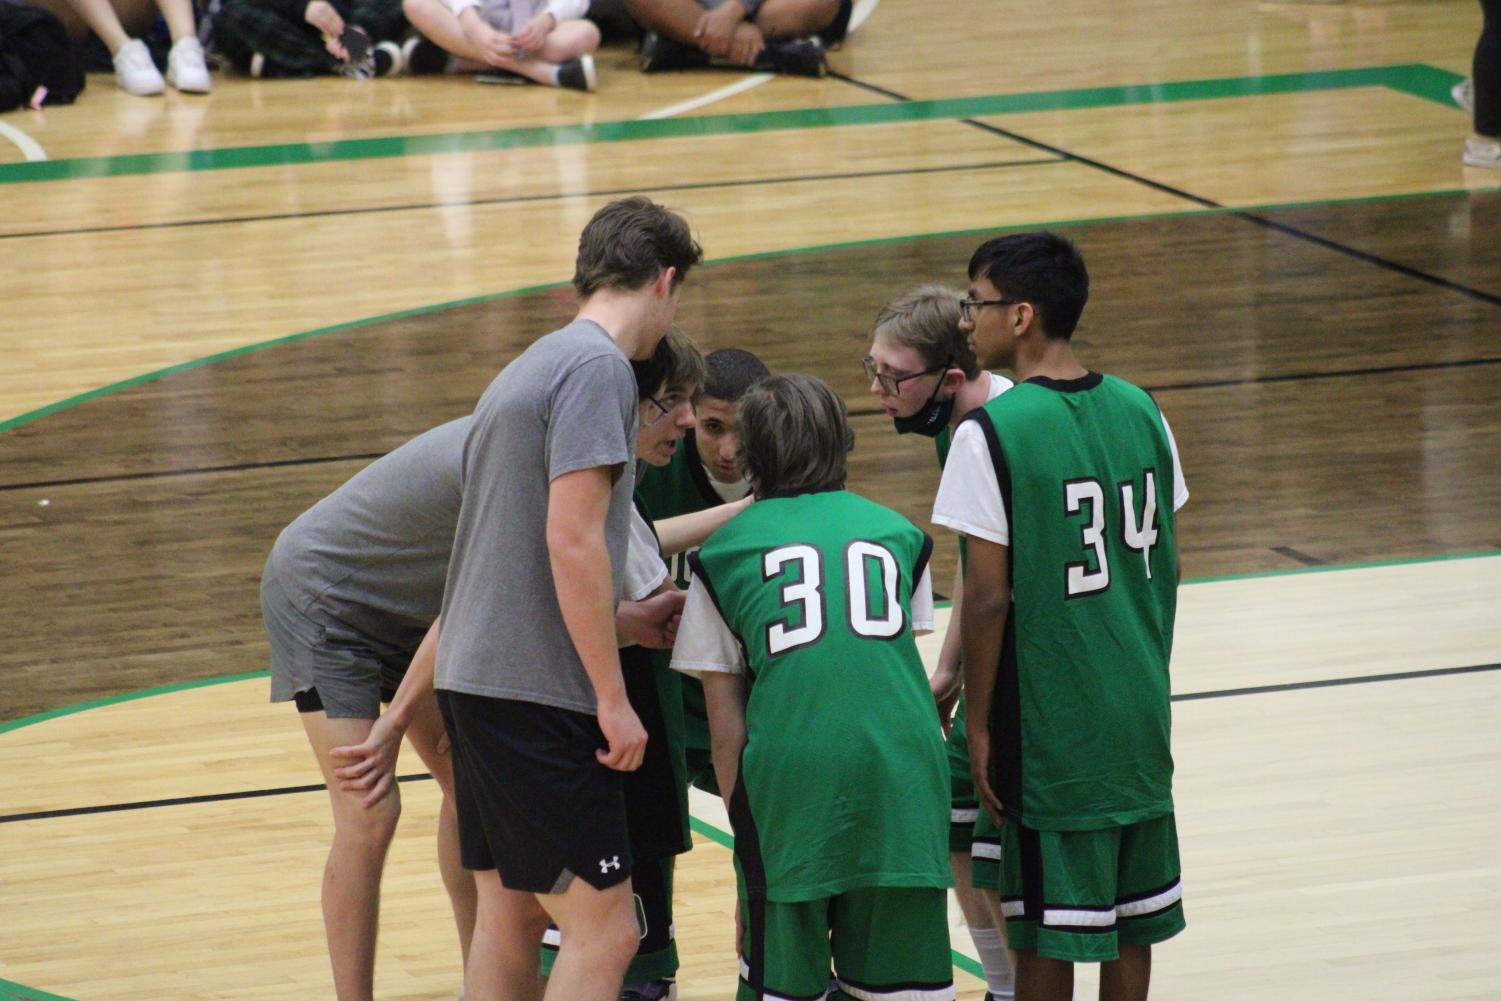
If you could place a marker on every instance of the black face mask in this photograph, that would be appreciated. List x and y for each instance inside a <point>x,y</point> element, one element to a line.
<point>931,419</point>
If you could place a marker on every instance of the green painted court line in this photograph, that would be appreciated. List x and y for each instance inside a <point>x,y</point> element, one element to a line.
<point>111,700</point>
<point>1426,82</point>
<point>12,991</point>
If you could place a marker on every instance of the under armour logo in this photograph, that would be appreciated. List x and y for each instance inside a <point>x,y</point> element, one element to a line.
<point>605,867</point>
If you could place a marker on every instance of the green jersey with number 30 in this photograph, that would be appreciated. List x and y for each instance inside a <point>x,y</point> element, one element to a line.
<point>1080,718</point>
<point>842,781</point>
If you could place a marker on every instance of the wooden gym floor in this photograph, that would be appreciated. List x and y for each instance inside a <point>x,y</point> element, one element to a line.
<point>218,309</point>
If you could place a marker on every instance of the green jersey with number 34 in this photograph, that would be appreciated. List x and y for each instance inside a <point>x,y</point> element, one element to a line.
<point>1080,718</point>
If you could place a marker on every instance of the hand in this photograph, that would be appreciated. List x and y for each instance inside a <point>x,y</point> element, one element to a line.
<point>322,15</point>
<point>495,47</point>
<point>624,733</point>
<point>946,685</point>
<point>531,38</point>
<point>651,623</point>
<point>978,737</point>
<point>716,28</point>
<point>374,761</point>
<point>747,44</point>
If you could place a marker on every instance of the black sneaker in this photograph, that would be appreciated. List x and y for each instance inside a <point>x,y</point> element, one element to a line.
<point>388,59</point>
<point>423,57</point>
<point>652,990</point>
<point>794,57</point>
<point>659,54</point>
<point>578,74</point>
<point>833,36</point>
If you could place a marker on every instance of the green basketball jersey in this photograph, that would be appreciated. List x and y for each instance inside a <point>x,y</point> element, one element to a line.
<point>843,777</point>
<point>1080,719</point>
<point>681,487</point>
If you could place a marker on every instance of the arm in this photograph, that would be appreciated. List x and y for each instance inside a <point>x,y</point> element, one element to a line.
<point>987,589</point>
<point>948,680</point>
<point>688,531</point>
<point>496,45</point>
<point>577,503</point>
<point>373,763</point>
<point>651,622</point>
<point>724,699</point>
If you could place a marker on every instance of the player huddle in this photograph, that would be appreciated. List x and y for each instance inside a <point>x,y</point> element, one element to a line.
<point>502,582</point>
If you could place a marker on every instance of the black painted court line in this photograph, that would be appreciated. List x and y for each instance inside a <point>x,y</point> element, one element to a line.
<point>1299,556</point>
<point>150,804</point>
<point>555,196</point>
<point>1252,217</point>
<point>167,473</point>
<point>863,412</point>
<point>1258,380</point>
<point>1295,686</point>
<point>1298,686</point>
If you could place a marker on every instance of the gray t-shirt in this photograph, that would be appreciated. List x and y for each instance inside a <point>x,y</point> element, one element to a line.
<point>373,554</point>
<point>567,403</point>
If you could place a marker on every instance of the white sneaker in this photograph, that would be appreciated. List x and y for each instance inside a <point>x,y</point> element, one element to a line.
<point>1463,93</point>
<point>186,69</point>
<point>135,72</point>
<point>1483,153</point>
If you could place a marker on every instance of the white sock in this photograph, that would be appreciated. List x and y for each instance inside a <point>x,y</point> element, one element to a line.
<point>1000,978</point>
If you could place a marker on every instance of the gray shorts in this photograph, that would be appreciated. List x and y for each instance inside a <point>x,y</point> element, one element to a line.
<point>307,652</point>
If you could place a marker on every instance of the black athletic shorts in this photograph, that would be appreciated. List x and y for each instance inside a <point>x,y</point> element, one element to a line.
<point>533,801</point>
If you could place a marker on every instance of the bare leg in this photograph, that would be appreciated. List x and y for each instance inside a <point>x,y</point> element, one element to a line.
<point>351,877</point>
<point>1040,979</point>
<point>1127,978</point>
<point>795,18</point>
<point>179,17</point>
<point>982,909</point>
<point>599,936</point>
<point>103,21</point>
<point>424,733</point>
<point>503,961</point>
<point>673,19</point>
<point>438,23</point>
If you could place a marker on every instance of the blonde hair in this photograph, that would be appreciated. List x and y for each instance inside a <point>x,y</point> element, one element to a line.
<point>926,319</point>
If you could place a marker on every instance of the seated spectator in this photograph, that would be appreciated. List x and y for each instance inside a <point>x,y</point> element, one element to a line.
<point>778,36</point>
<point>135,71</point>
<point>545,41</point>
<point>302,38</point>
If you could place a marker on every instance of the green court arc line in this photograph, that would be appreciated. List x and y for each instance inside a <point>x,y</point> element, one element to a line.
<point>12,991</point>
<point>51,408</point>
<point>1416,79</point>
<point>144,693</point>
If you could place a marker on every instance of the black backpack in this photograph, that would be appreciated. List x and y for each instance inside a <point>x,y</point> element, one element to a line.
<point>35,52</point>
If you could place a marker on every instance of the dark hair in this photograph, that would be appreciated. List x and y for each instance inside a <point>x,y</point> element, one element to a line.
<point>926,319</point>
<point>730,372</point>
<point>1041,268</point>
<point>629,243</point>
<point>676,361</point>
<point>794,436</point>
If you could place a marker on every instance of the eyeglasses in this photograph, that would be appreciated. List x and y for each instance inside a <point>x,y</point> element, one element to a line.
<point>663,407</point>
<point>967,306</point>
<point>891,384</point>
